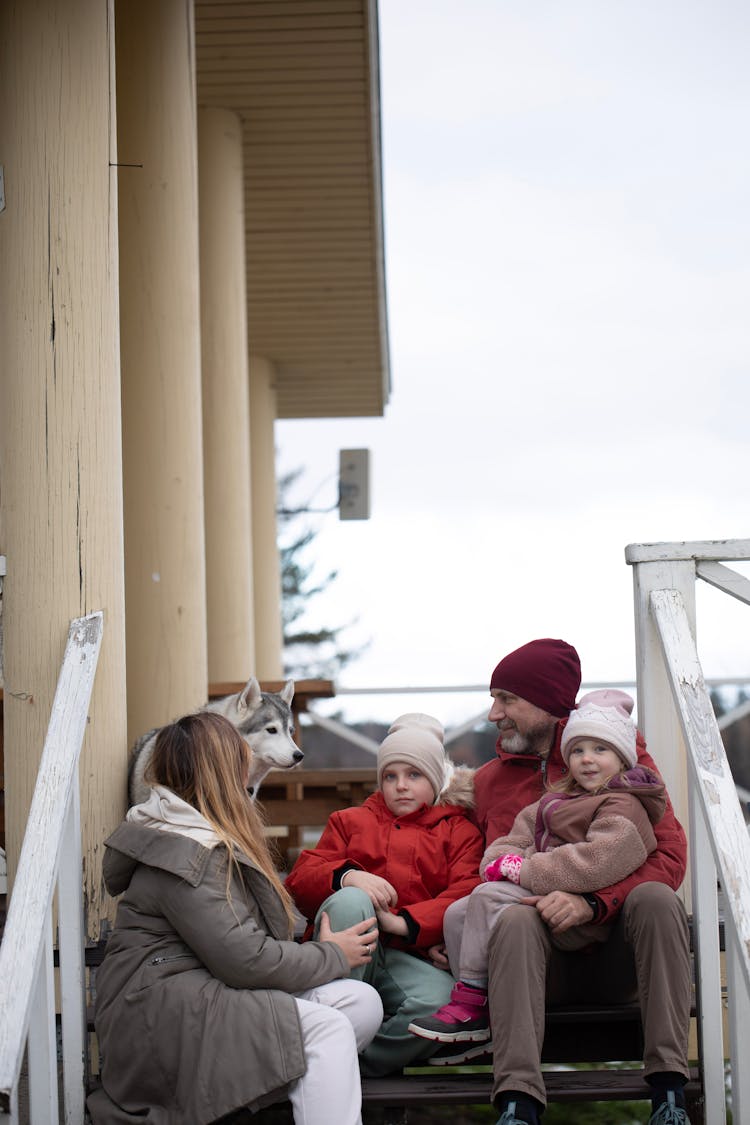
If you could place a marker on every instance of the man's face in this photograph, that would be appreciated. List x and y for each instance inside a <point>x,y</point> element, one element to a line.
<point>524,728</point>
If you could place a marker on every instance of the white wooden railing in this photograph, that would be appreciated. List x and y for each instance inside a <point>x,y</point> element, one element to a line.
<point>311,716</point>
<point>50,855</point>
<point>675,714</point>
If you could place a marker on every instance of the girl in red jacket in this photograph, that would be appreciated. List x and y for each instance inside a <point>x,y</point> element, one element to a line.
<point>407,853</point>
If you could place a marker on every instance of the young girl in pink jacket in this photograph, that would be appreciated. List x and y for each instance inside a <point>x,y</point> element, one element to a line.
<point>587,832</point>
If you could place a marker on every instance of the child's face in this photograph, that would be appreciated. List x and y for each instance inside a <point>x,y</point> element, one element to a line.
<point>592,763</point>
<point>405,788</point>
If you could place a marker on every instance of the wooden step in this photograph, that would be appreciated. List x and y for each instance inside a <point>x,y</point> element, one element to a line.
<point>455,1088</point>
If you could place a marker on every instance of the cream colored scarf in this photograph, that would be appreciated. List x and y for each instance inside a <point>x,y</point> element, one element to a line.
<point>167,812</point>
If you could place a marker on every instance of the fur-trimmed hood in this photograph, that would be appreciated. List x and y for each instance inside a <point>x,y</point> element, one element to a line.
<point>459,788</point>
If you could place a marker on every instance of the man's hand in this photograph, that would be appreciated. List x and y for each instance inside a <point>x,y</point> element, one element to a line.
<point>438,956</point>
<point>381,893</point>
<point>560,910</point>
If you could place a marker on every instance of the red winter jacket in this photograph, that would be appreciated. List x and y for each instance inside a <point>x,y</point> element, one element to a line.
<point>431,857</point>
<point>507,784</point>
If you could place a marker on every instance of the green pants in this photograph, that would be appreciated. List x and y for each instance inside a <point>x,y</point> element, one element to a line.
<point>408,987</point>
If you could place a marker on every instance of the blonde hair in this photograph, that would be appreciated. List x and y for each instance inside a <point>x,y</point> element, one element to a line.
<point>568,784</point>
<point>204,760</point>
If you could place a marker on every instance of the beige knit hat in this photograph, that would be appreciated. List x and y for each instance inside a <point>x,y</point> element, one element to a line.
<point>604,715</point>
<point>416,739</point>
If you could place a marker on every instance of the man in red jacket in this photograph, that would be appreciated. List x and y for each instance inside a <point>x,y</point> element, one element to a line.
<point>533,691</point>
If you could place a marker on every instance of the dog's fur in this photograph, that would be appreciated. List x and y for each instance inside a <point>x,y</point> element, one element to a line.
<point>263,718</point>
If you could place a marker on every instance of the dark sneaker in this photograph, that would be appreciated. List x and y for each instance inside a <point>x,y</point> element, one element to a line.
<point>509,1116</point>
<point>518,1109</point>
<point>669,1113</point>
<point>459,1054</point>
<point>464,1019</point>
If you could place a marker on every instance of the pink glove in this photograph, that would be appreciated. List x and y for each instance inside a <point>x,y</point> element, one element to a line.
<point>504,867</point>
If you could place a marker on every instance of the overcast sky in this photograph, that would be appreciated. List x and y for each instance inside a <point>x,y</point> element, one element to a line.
<point>566,190</point>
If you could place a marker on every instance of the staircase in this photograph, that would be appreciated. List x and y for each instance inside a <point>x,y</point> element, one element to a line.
<point>676,716</point>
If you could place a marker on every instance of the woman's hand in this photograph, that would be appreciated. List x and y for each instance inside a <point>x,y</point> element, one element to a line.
<point>357,943</point>
<point>380,892</point>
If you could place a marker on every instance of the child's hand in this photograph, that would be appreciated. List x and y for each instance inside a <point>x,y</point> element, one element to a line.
<point>392,923</point>
<point>358,943</point>
<point>504,867</point>
<point>381,893</point>
<point>438,956</point>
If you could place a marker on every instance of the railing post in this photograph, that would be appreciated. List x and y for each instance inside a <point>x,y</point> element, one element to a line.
<point>657,717</point>
<point>659,721</point>
<point>27,995</point>
<point>70,931</point>
<point>727,843</point>
<point>739,1028</point>
<point>43,1099</point>
<point>710,1026</point>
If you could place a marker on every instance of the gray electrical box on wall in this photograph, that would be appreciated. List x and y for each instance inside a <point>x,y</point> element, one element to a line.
<point>354,484</point>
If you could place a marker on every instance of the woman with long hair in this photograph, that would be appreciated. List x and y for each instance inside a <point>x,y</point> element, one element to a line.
<point>205,1004</point>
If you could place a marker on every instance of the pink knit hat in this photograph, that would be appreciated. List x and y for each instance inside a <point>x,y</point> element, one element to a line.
<point>605,716</point>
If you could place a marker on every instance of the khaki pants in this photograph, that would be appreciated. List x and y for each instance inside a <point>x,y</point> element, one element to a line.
<point>485,904</point>
<point>646,957</point>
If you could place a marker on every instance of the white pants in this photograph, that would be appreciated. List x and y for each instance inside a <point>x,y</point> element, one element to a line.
<point>338,1020</point>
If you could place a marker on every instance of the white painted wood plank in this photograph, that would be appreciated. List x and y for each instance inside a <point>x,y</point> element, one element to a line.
<point>709,767</point>
<point>739,1030</point>
<point>43,1101</point>
<point>657,717</point>
<point>72,967</point>
<point>33,889</point>
<point>725,579</point>
<point>710,1028</point>
<point>708,549</point>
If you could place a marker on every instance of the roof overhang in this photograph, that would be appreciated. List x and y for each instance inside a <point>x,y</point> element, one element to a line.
<point>304,79</point>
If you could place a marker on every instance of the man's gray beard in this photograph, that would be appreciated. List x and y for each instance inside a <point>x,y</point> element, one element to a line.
<point>537,741</point>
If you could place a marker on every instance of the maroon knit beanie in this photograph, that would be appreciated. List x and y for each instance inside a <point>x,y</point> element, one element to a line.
<point>546,673</point>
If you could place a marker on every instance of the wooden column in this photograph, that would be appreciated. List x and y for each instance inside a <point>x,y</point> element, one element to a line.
<point>266,567</point>
<point>226,407</point>
<point>160,316</point>
<point>60,424</point>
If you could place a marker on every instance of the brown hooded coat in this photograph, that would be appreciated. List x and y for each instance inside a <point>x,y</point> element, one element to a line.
<point>194,1011</point>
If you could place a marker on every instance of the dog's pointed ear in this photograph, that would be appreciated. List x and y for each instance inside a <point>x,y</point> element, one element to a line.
<point>250,696</point>
<point>287,692</point>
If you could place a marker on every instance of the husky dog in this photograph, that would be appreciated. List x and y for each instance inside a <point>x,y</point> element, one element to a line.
<point>263,718</point>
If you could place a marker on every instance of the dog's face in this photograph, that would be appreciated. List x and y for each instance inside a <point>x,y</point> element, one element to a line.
<point>265,721</point>
<point>263,718</point>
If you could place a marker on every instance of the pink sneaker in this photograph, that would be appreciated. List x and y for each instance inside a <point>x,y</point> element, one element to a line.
<point>464,1019</point>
